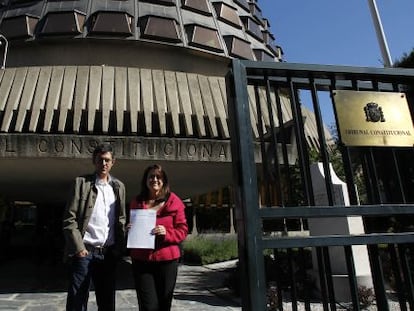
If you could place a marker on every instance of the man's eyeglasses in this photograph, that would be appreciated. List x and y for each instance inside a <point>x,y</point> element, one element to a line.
<point>105,160</point>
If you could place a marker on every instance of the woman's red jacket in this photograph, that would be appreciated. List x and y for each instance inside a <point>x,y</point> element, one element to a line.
<point>172,217</point>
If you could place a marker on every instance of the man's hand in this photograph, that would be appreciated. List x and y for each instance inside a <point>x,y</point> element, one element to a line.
<point>82,253</point>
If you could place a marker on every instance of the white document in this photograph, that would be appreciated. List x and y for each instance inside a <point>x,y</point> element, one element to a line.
<point>142,222</point>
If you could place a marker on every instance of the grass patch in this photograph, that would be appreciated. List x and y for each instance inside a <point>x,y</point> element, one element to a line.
<point>209,248</point>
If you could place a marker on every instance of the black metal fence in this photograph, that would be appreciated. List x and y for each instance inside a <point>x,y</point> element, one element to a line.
<point>278,121</point>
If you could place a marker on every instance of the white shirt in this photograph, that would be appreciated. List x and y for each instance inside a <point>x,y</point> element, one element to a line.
<point>101,226</point>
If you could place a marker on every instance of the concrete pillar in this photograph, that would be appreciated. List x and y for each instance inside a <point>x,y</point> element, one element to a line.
<point>339,225</point>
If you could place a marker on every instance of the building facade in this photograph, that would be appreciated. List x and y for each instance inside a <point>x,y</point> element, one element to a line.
<point>148,76</point>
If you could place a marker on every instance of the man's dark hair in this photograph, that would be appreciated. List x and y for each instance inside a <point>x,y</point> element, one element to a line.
<point>102,148</point>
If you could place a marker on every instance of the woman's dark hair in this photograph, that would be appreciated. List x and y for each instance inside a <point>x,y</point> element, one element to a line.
<point>165,191</point>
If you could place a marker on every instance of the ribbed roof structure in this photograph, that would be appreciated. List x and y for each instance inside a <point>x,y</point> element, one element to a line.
<point>112,100</point>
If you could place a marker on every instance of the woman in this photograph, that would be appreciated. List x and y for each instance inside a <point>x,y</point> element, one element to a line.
<point>155,270</point>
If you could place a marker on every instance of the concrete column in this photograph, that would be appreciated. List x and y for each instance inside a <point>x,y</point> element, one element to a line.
<point>339,225</point>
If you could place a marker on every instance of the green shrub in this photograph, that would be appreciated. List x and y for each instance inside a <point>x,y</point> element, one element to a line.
<point>272,297</point>
<point>366,296</point>
<point>209,248</point>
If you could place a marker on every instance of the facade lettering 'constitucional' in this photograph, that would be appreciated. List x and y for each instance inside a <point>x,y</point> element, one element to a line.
<point>125,147</point>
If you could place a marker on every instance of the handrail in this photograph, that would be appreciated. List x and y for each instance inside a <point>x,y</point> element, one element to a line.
<point>335,211</point>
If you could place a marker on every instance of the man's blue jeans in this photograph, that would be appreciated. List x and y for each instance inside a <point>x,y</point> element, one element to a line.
<point>95,268</point>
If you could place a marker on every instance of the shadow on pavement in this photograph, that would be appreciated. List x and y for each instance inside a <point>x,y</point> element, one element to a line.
<point>25,275</point>
<point>209,286</point>
<point>209,300</point>
<point>194,283</point>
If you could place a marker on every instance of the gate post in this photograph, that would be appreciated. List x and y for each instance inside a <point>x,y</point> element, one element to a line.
<point>248,222</point>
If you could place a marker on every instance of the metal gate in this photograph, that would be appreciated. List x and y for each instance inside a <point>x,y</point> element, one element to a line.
<point>275,198</point>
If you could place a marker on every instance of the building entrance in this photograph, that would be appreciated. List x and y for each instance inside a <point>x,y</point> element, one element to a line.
<point>32,242</point>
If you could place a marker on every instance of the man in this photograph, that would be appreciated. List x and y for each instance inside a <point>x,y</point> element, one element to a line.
<point>94,230</point>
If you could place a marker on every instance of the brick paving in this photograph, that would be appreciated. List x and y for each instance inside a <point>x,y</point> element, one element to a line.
<point>199,288</point>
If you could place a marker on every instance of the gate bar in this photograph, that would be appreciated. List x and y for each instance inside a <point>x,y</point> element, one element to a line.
<point>247,201</point>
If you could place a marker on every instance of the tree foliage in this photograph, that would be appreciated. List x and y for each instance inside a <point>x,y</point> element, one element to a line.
<point>406,61</point>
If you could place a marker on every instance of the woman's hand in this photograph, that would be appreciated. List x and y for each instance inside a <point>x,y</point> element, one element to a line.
<point>159,230</point>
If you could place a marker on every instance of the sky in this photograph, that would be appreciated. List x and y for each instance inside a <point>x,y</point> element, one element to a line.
<point>338,32</point>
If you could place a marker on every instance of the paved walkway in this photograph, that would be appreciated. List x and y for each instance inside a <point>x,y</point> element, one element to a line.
<point>200,288</point>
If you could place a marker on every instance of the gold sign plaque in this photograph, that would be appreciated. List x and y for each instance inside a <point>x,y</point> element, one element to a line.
<point>373,118</point>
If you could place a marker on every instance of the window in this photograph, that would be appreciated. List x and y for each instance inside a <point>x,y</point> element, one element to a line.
<point>163,2</point>
<point>227,14</point>
<point>159,28</point>
<point>238,47</point>
<point>63,23</point>
<point>252,27</point>
<point>243,3</point>
<point>22,26</point>
<point>268,37</point>
<point>203,37</point>
<point>256,12</point>
<point>199,6</point>
<point>262,55</point>
<point>111,23</point>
